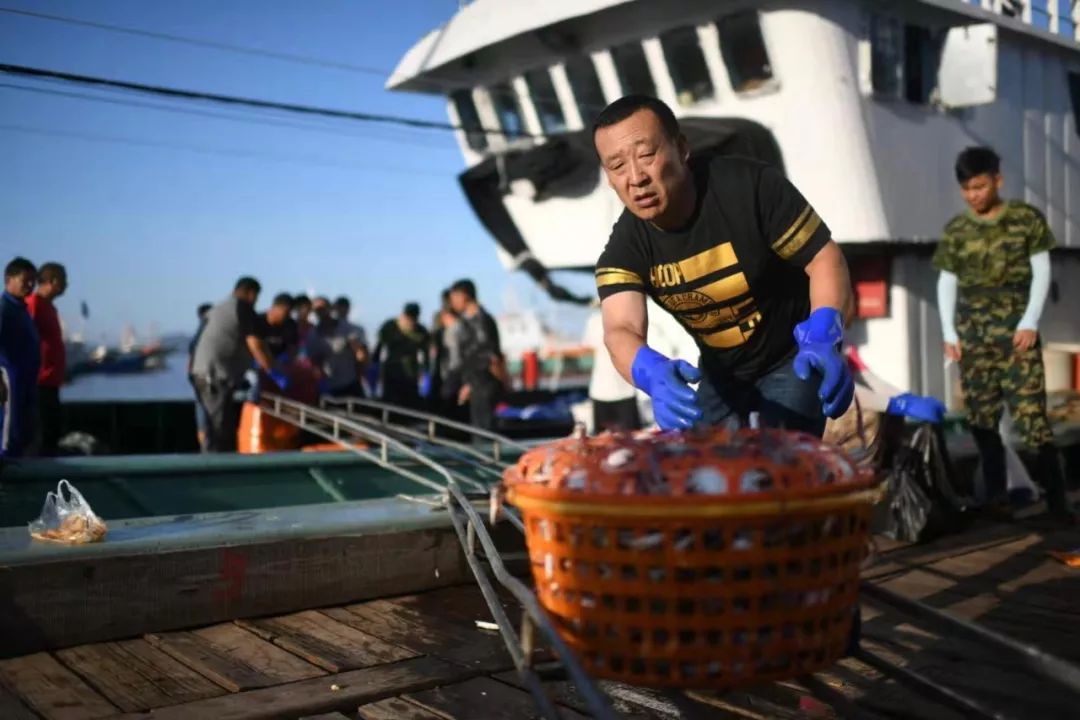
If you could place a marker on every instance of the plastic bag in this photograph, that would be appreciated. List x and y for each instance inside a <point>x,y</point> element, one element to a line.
<point>921,500</point>
<point>67,520</point>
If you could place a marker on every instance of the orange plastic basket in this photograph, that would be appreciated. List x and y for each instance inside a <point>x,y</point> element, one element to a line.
<point>711,559</point>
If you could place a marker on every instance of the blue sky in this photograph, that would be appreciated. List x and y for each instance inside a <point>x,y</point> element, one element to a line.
<point>154,212</point>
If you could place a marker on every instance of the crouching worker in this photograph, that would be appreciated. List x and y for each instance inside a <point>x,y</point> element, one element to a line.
<point>735,253</point>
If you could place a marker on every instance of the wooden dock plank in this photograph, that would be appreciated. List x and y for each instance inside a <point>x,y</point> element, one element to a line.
<point>482,697</point>
<point>135,675</point>
<point>234,658</point>
<point>326,716</point>
<point>52,690</point>
<point>442,623</point>
<point>306,697</point>
<point>12,708</point>
<point>325,642</point>
<point>397,709</point>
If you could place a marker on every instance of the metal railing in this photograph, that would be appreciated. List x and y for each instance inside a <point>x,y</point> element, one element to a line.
<point>486,562</point>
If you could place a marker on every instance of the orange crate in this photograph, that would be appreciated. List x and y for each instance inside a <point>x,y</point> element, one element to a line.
<point>709,559</point>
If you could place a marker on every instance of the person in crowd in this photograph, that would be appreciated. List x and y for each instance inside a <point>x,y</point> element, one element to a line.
<point>338,347</point>
<point>226,346</point>
<point>200,412</point>
<point>401,351</point>
<point>302,315</point>
<point>481,355</point>
<point>994,263</point>
<point>20,360</point>
<point>445,360</point>
<point>51,284</point>
<point>279,330</point>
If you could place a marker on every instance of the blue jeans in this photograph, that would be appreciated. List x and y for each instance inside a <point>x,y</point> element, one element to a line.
<point>780,397</point>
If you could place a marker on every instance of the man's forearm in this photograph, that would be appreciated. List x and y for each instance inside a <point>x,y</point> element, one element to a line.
<point>623,344</point>
<point>830,283</point>
<point>262,357</point>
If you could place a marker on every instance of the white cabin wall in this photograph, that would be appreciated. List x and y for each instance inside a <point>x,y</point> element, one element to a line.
<point>1031,125</point>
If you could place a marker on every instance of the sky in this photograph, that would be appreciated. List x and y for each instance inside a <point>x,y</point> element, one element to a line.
<point>154,211</point>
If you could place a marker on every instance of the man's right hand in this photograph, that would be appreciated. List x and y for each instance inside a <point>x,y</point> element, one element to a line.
<point>667,381</point>
<point>952,351</point>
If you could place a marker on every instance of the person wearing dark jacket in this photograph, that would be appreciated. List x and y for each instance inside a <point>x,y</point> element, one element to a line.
<point>481,355</point>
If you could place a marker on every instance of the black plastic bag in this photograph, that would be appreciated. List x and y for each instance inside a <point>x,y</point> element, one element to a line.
<point>921,501</point>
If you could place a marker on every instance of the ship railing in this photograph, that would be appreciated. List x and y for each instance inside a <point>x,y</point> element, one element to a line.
<point>481,554</point>
<point>486,562</point>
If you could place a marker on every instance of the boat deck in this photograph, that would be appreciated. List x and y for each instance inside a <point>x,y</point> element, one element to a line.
<point>423,656</point>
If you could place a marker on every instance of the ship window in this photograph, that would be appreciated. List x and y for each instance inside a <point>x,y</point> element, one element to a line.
<point>542,91</point>
<point>633,69</point>
<point>743,48</point>
<point>469,119</point>
<point>585,84</point>
<point>507,109</point>
<point>686,61</point>
<point>904,60</point>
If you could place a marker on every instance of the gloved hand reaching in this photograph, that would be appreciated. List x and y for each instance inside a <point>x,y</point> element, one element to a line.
<point>666,381</point>
<point>425,384</point>
<point>927,409</point>
<point>819,338</point>
<point>280,379</point>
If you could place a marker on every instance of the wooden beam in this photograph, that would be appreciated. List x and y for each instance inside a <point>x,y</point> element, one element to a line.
<point>52,690</point>
<point>11,708</point>
<point>341,692</point>
<point>234,658</point>
<point>137,676</point>
<point>90,598</point>
<point>325,642</point>
<point>397,709</point>
<point>482,697</point>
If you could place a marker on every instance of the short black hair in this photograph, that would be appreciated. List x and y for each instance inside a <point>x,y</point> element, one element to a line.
<point>342,300</point>
<point>301,299</point>
<point>465,286</point>
<point>412,310</point>
<point>203,309</point>
<point>977,161</point>
<point>626,106</point>
<point>247,284</point>
<point>18,266</point>
<point>51,271</point>
<point>283,299</point>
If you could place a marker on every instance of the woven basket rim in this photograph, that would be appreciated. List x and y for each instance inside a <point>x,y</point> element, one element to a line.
<point>690,506</point>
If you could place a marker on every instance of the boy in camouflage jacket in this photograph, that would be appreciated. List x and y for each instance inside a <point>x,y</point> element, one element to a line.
<point>995,276</point>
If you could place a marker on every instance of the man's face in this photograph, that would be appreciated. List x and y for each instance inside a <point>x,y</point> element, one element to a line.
<point>54,288</point>
<point>20,285</point>
<point>982,191</point>
<point>249,296</point>
<point>322,310</point>
<point>341,311</point>
<point>303,311</point>
<point>458,301</point>
<point>644,166</point>
<point>277,314</point>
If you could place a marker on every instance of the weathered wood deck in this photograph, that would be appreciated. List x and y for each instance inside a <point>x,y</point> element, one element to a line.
<point>422,657</point>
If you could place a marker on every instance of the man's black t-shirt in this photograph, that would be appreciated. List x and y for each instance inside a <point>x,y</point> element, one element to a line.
<point>401,353</point>
<point>278,338</point>
<point>734,276</point>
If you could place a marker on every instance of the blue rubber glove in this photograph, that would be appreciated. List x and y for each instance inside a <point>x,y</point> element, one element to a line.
<point>425,384</point>
<point>928,409</point>
<point>666,381</point>
<point>280,379</point>
<point>819,338</point>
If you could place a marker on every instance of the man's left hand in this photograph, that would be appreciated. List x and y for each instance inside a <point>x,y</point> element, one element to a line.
<point>819,338</point>
<point>1025,339</point>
